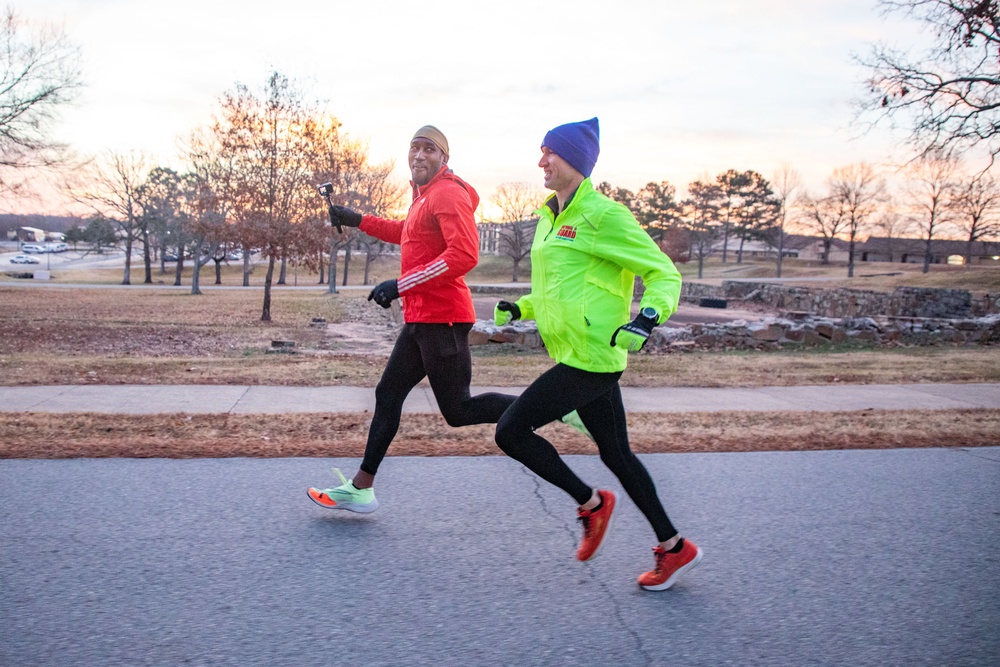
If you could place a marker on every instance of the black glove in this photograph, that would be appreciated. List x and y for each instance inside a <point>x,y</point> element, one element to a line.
<point>505,312</point>
<point>635,333</point>
<point>341,215</point>
<point>385,293</point>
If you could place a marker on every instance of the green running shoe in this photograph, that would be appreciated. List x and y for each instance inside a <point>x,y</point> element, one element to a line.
<point>345,497</point>
<point>573,419</point>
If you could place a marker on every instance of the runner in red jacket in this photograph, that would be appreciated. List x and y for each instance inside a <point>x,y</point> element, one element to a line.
<point>439,244</point>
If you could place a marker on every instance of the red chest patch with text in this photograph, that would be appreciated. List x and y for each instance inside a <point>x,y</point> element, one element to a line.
<point>566,232</point>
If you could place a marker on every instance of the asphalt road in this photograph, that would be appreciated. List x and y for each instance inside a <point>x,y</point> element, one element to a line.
<point>811,558</point>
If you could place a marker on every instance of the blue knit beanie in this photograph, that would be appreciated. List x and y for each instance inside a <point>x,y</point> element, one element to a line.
<point>577,143</point>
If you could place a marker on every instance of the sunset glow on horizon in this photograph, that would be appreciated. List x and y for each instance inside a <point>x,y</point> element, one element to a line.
<point>682,91</point>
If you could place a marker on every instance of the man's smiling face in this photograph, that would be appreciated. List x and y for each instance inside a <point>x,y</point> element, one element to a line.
<point>425,160</point>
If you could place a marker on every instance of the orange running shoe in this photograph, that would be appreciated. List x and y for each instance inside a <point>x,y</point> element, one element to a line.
<point>670,566</point>
<point>595,525</point>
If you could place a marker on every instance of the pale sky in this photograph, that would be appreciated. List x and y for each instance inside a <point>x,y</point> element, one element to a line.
<point>683,89</point>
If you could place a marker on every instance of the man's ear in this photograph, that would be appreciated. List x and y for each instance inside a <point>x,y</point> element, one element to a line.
<point>445,160</point>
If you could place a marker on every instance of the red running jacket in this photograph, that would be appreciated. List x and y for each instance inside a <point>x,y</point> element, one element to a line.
<point>439,244</point>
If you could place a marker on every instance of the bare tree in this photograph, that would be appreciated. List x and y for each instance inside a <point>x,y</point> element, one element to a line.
<point>210,156</point>
<point>517,202</point>
<point>114,191</point>
<point>162,221</point>
<point>379,196</point>
<point>891,225</point>
<point>948,96</point>
<point>786,182</point>
<point>859,192</point>
<point>39,74</point>
<point>825,216</point>
<point>358,184</point>
<point>977,211</point>
<point>931,194</point>
<point>271,172</point>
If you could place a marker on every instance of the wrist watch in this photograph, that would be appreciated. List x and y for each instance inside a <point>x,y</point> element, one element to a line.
<point>650,313</point>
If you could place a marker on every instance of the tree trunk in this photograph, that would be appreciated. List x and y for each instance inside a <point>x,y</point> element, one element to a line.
<point>331,282</point>
<point>127,278</point>
<point>196,277</point>
<point>246,267</point>
<point>781,248</point>
<point>725,241</point>
<point>850,256</point>
<point>283,273</point>
<point>180,266</point>
<point>146,260</point>
<point>347,262</point>
<point>265,315</point>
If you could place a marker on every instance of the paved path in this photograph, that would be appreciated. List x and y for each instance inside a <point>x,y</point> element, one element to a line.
<point>148,399</point>
<point>811,558</point>
<point>864,557</point>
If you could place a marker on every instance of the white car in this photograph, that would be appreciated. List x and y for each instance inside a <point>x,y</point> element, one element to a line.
<point>24,259</point>
<point>33,247</point>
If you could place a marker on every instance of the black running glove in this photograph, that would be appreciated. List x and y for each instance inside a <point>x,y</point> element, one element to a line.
<point>385,293</point>
<point>341,215</point>
<point>634,334</point>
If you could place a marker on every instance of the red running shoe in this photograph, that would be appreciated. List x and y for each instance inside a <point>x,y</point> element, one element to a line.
<point>595,525</point>
<point>670,566</point>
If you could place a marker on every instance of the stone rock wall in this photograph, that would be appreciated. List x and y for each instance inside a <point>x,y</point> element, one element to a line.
<point>794,329</point>
<point>902,302</point>
<point>802,330</point>
<point>811,317</point>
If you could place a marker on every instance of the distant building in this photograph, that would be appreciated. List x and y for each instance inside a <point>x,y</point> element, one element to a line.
<point>811,248</point>
<point>30,235</point>
<point>911,251</point>
<point>874,249</point>
<point>795,246</point>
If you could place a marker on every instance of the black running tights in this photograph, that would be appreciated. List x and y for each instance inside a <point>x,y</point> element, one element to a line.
<point>597,399</point>
<point>439,352</point>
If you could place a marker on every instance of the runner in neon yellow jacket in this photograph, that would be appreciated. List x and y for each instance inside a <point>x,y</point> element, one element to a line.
<point>585,256</point>
<point>583,268</point>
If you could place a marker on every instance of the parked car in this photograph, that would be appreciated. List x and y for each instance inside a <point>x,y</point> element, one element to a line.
<point>33,247</point>
<point>169,257</point>
<point>24,259</point>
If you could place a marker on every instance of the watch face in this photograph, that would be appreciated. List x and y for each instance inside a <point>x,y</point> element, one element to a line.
<point>650,313</point>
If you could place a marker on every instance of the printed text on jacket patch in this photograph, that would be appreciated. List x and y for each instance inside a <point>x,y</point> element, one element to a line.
<point>566,232</point>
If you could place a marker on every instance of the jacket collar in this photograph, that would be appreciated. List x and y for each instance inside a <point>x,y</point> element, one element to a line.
<point>420,189</point>
<point>552,203</point>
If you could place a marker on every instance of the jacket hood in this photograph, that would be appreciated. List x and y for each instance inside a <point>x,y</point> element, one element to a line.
<point>447,174</point>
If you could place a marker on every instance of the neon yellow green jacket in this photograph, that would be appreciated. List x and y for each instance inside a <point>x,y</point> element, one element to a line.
<point>583,267</point>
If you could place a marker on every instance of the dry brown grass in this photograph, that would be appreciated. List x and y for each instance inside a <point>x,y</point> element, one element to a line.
<point>44,435</point>
<point>151,336</point>
<point>139,336</point>
<point>876,276</point>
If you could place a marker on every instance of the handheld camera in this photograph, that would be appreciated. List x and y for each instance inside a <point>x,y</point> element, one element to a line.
<point>326,189</point>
